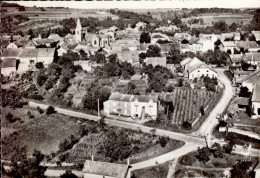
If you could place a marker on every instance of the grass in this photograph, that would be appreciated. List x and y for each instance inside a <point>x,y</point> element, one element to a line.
<point>243,118</point>
<point>43,132</point>
<point>159,171</point>
<point>187,172</point>
<point>226,162</point>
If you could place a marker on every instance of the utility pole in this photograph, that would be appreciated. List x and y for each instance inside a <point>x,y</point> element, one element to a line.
<point>98,108</point>
<point>206,141</point>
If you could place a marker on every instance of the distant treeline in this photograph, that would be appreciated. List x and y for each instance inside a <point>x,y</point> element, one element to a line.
<point>214,10</point>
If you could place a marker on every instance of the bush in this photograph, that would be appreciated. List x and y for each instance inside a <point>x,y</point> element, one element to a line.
<point>163,141</point>
<point>186,125</point>
<point>36,97</point>
<point>63,157</point>
<point>39,110</point>
<point>50,110</point>
<point>39,65</point>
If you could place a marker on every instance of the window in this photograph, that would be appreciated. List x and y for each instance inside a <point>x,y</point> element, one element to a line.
<point>95,42</point>
<point>78,32</point>
<point>207,71</point>
<point>31,61</point>
<point>198,70</point>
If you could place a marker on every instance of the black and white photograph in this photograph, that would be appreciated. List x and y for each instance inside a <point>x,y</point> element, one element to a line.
<point>130,89</point>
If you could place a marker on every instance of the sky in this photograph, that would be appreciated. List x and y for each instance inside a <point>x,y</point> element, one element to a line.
<point>145,4</point>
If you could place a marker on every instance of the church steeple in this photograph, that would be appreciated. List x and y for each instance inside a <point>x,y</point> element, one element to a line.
<point>78,31</point>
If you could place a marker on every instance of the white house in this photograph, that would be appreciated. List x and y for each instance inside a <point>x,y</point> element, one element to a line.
<point>8,66</point>
<point>195,68</point>
<point>256,101</point>
<point>229,45</point>
<point>250,81</point>
<point>131,105</point>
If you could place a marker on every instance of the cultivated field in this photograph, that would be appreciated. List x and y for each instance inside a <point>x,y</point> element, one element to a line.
<point>187,103</point>
<point>228,18</point>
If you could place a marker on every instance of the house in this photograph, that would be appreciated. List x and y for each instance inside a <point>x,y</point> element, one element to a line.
<point>208,37</point>
<point>256,34</point>
<point>161,61</point>
<point>129,56</point>
<point>30,45</point>
<point>184,48</point>
<point>12,45</point>
<point>143,47</point>
<point>227,36</point>
<point>10,53</point>
<point>229,45</point>
<point>121,85</point>
<point>253,58</point>
<point>158,36</point>
<point>140,25</point>
<point>8,66</point>
<point>167,47</point>
<point>55,37</point>
<point>96,169</point>
<point>97,40</point>
<point>195,68</point>
<point>247,45</point>
<point>29,57</point>
<point>85,64</point>
<point>256,101</point>
<point>250,80</point>
<point>181,36</point>
<point>243,103</point>
<point>240,74</point>
<point>237,36</point>
<point>132,105</point>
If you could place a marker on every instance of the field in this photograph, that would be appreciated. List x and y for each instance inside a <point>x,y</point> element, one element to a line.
<point>42,132</point>
<point>187,172</point>
<point>144,146</point>
<point>159,171</point>
<point>187,103</point>
<point>209,19</point>
<point>62,13</point>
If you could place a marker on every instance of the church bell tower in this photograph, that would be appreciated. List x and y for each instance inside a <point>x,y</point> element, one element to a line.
<point>78,31</point>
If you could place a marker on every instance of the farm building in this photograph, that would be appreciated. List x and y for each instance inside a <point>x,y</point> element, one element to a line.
<point>256,101</point>
<point>8,66</point>
<point>161,61</point>
<point>251,80</point>
<point>257,35</point>
<point>131,105</point>
<point>247,45</point>
<point>96,169</point>
<point>195,68</point>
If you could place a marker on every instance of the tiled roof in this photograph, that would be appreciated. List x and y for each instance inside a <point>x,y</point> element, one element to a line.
<point>105,169</point>
<point>256,93</point>
<point>10,62</point>
<point>228,43</point>
<point>247,44</point>
<point>254,77</point>
<point>11,52</point>
<point>156,61</point>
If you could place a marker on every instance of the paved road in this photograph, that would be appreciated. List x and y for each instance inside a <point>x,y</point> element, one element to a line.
<point>246,133</point>
<point>211,121</point>
<point>175,154</point>
<point>133,126</point>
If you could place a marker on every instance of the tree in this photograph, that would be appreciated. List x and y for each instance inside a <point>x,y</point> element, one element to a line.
<point>256,20</point>
<point>41,79</point>
<point>39,110</point>
<point>148,13</point>
<point>203,154</point>
<point>153,51</point>
<point>50,110</point>
<point>22,166</point>
<point>180,82</point>
<point>241,169</point>
<point>163,141</point>
<point>186,125</point>
<point>145,38</point>
<point>39,65</point>
<point>68,174</point>
<point>244,92</point>
<point>221,26</point>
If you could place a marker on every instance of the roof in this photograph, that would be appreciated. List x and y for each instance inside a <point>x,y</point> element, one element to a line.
<point>228,43</point>
<point>161,61</point>
<point>144,46</point>
<point>247,44</point>
<point>242,72</point>
<point>257,35</point>
<point>128,55</point>
<point>55,37</point>
<point>254,77</point>
<point>39,52</point>
<point>136,77</point>
<point>256,93</point>
<point>243,101</point>
<point>27,52</point>
<point>167,47</point>
<point>29,44</point>
<point>253,56</point>
<point>11,52</point>
<point>200,66</point>
<point>131,98</point>
<point>10,62</point>
<point>106,169</point>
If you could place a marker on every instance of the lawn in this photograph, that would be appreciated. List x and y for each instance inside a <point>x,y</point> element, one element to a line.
<point>187,172</point>
<point>243,118</point>
<point>159,171</point>
<point>226,162</point>
<point>43,132</point>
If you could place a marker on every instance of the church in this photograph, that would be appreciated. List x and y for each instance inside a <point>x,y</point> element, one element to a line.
<point>94,40</point>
